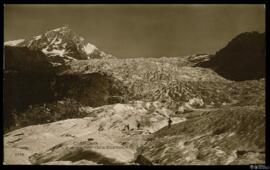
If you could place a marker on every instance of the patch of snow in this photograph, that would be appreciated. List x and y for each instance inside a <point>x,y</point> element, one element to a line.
<point>14,42</point>
<point>176,120</point>
<point>156,126</point>
<point>202,56</point>
<point>58,42</point>
<point>45,50</point>
<point>156,104</point>
<point>61,102</point>
<point>53,40</point>
<point>230,159</point>
<point>181,109</point>
<point>56,64</point>
<point>231,134</point>
<point>81,39</point>
<point>120,108</point>
<point>55,52</point>
<point>164,112</point>
<point>196,102</point>
<point>57,29</point>
<point>102,53</point>
<point>30,43</point>
<point>86,109</point>
<point>69,58</point>
<point>89,48</point>
<point>37,37</point>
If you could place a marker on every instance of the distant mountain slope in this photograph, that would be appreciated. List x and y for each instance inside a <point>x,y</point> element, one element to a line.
<point>27,79</point>
<point>61,45</point>
<point>242,59</point>
<point>21,59</point>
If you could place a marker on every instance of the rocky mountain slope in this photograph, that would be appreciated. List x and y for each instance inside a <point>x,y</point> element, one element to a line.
<point>27,79</point>
<point>20,59</point>
<point>242,59</point>
<point>61,45</point>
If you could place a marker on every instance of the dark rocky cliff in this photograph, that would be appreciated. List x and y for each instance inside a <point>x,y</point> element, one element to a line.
<point>242,59</point>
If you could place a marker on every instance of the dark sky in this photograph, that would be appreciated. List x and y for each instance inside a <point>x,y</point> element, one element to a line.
<point>140,30</point>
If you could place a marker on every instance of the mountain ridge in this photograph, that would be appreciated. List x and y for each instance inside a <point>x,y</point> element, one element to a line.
<point>61,45</point>
<point>243,58</point>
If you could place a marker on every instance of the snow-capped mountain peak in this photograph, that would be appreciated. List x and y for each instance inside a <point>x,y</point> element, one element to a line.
<point>61,45</point>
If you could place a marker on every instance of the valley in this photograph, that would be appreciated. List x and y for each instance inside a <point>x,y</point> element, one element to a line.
<point>132,111</point>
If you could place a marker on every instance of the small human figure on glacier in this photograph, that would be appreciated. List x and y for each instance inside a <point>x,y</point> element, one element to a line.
<point>169,122</point>
<point>126,127</point>
<point>138,124</point>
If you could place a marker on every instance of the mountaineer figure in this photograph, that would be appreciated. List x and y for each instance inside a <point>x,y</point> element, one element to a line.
<point>169,122</point>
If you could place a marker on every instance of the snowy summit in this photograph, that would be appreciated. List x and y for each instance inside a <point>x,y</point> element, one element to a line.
<point>61,45</point>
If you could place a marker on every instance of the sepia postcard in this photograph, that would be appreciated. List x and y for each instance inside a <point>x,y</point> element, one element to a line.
<point>134,84</point>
